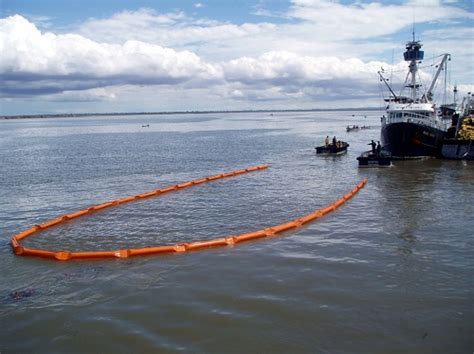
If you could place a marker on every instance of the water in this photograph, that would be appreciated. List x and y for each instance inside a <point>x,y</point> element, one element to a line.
<point>390,271</point>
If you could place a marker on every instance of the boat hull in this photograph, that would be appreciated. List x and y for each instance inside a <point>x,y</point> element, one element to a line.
<point>369,159</point>
<point>411,141</point>
<point>458,149</point>
<point>332,150</point>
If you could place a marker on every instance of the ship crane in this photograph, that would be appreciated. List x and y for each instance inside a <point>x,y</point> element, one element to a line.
<point>429,94</point>
<point>395,97</point>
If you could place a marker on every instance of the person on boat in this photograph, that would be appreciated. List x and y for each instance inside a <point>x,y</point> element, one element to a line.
<point>379,148</point>
<point>334,141</point>
<point>326,141</point>
<point>373,144</point>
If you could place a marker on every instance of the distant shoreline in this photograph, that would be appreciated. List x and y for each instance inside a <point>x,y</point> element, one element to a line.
<point>74,115</point>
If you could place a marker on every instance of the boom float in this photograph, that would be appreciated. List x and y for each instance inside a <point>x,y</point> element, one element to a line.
<point>177,248</point>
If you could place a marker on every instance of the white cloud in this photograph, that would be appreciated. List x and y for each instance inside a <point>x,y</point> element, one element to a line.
<point>285,66</point>
<point>169,29</point>
<point>91,95</point>
<point>48,63</point>
<point>320,52</point>
<point>308,27</point>
<point>367,20</point>
<point>463,90</point>
<point>76,62</point>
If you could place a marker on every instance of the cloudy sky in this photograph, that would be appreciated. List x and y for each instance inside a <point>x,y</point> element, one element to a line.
<point>126,56</point>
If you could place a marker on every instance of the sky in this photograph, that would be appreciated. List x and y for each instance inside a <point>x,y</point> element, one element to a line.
<point>134,56</point>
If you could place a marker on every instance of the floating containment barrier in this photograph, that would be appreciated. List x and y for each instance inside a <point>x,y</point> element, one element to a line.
<point>177,248</point>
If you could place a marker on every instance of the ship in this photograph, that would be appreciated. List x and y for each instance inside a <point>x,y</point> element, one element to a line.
<point>414,126</point>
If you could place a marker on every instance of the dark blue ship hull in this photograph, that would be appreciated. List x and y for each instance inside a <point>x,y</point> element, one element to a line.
<point>410,141</point>
<point>458,149</point>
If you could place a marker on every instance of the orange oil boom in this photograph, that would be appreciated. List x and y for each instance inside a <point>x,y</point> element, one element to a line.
<point>181,247</point>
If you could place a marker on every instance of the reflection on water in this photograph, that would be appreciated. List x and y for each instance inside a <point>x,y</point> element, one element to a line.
<point>388,272</point>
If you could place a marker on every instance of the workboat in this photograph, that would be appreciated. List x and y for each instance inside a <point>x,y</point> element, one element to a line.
<point>333,149</point>
<point>374,159</point>
<point>353,128</point>
<point>414,127</point>
<point>459,141</point>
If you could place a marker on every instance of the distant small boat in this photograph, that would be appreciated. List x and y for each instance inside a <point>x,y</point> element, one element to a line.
<point>331,149</point>
<point>145,126</point>
<point>369,159</point>
<point>353,128</point>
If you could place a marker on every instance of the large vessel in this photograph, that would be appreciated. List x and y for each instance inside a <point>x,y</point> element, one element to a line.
<point>414,127</point>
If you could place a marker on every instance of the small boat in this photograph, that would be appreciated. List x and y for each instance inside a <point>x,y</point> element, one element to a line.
<point>370,159</point>
<point>331,149</point>
<point>353,128</point>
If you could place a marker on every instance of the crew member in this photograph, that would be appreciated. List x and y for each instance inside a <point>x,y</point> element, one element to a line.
<point>379,148</point>
<point>373,144</point>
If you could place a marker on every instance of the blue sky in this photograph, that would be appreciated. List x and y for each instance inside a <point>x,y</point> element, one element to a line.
<point>99,56</point>
<point>64,13</point>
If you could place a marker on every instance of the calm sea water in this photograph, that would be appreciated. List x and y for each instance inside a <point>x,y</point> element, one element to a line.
<point>389,272</point>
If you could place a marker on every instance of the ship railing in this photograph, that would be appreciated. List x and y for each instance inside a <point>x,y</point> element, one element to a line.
<point>418,115</point>
<point>418,120</point>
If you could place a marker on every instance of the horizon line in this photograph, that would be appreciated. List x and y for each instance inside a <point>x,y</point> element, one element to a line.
<point>88,114</point>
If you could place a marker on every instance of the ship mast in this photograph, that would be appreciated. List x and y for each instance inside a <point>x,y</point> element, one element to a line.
<point>414,55</point>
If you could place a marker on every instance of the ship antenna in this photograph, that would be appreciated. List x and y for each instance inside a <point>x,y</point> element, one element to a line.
<point>391,67</point>
<point>455,94</point>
